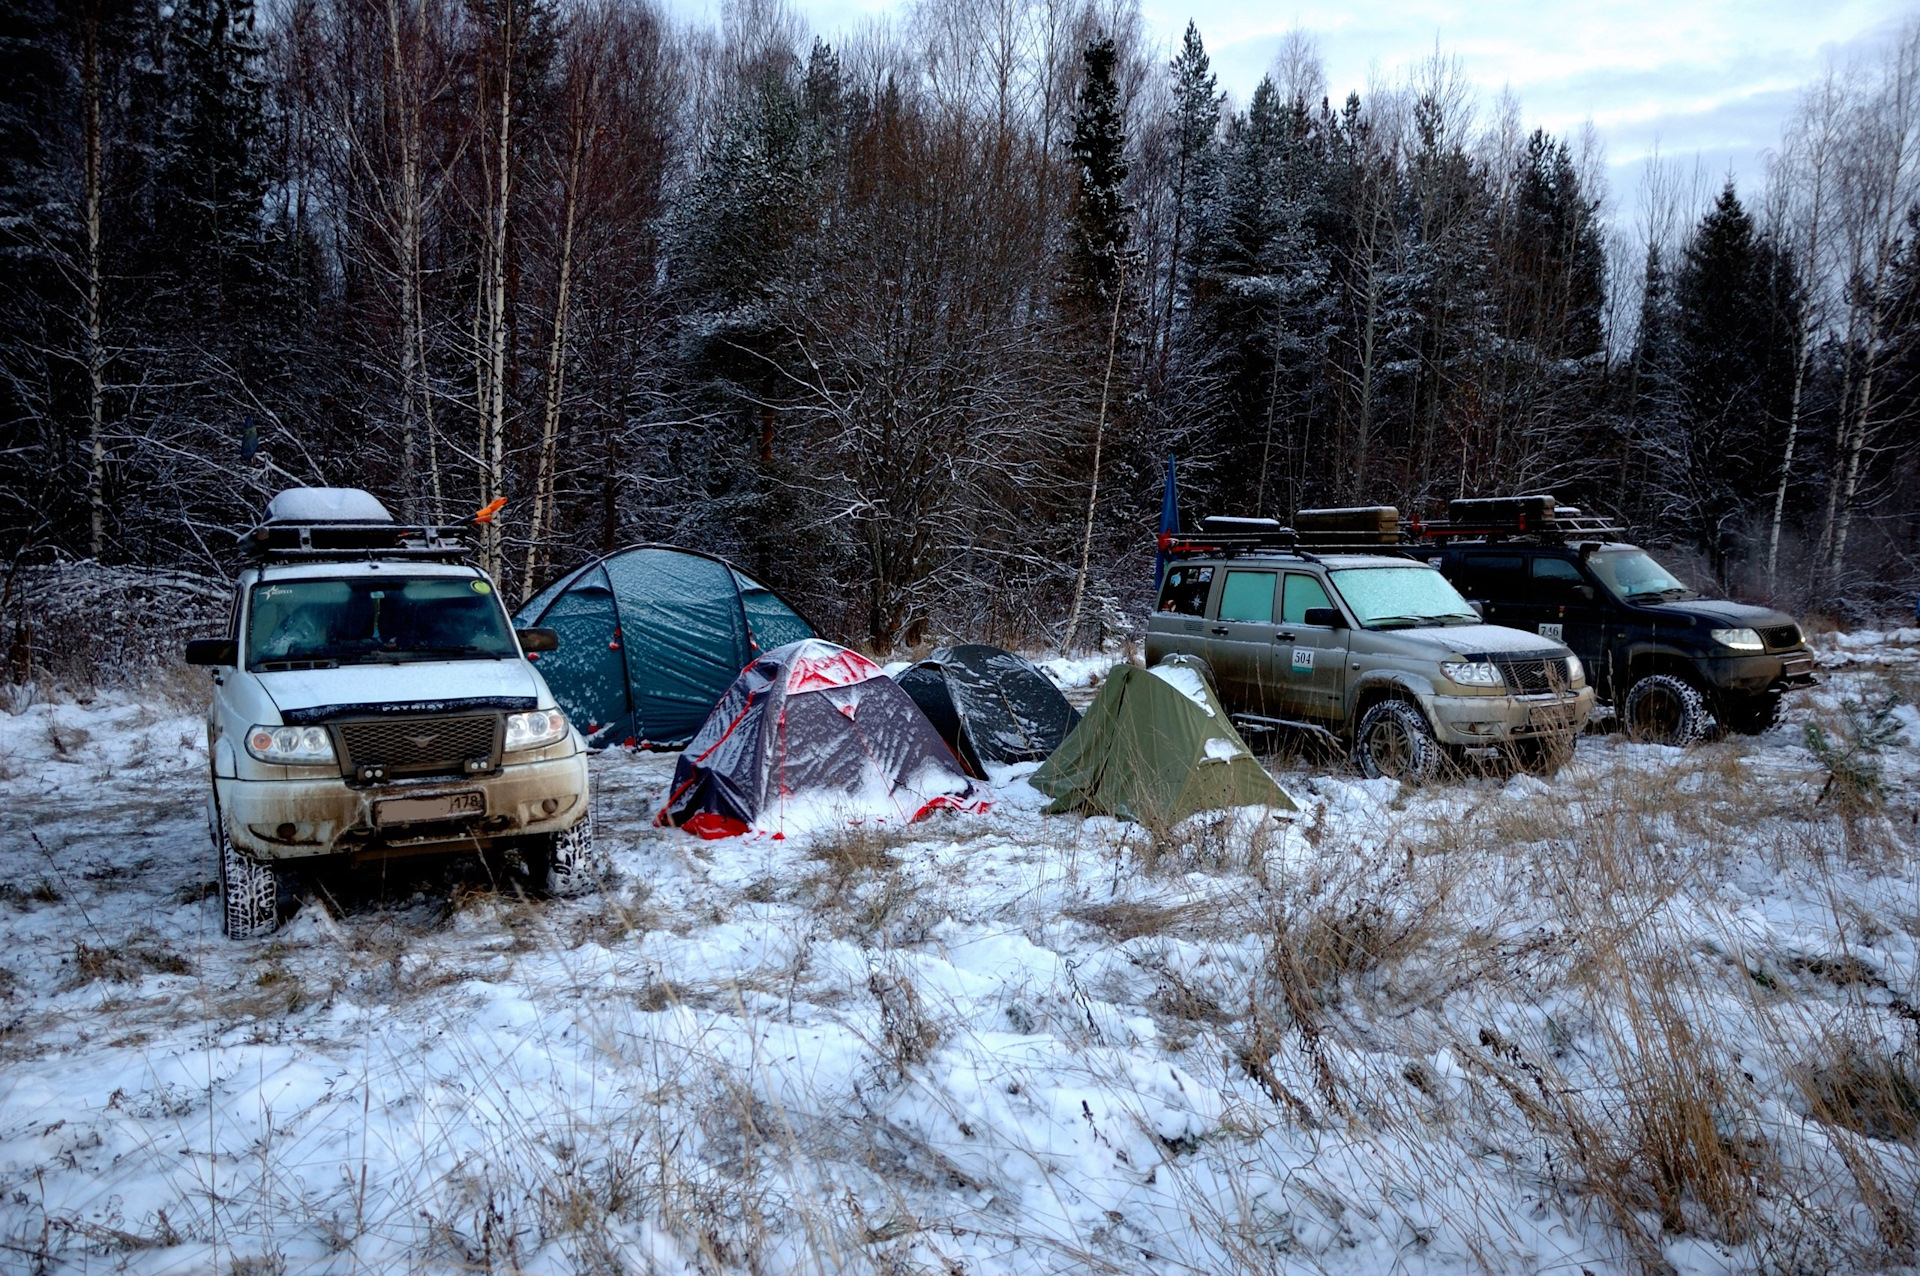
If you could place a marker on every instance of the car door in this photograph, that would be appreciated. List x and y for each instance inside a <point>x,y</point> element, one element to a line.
<point>1309,661</point>
<point>1240,640</point>
<point>1179,624</point>
<point>1497,581</point>
<point>1568,607</point>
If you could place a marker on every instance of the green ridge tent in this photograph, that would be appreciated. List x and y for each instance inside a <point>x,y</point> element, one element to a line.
<point>1155,747</point>
<point>650,637</point>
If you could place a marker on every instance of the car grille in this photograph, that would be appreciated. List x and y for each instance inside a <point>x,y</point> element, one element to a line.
<point>419,746</point>
<point>1781,636</point>
<point>1533,675</point>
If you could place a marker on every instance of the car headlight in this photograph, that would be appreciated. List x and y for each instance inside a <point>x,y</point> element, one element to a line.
<point>1738,639</point>
<point>1473,673</point>
<point>1576,672</point>
<point>533,730</point>
<point>291,746</point>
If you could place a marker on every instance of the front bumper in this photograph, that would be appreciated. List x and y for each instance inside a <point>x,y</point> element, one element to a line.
<point>1754,675</point>
<point>280,819</point>
<point>1480,721</point>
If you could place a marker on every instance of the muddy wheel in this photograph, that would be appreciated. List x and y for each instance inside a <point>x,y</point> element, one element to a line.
<point>249,891</point>
<point>1750,715</point>
<point>574,864</point>
<point>1664,709</point>
<point>1395,742</point>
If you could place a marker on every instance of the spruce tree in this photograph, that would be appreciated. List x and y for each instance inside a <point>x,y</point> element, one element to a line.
<point>1734,352</point>
<point>1196,119</point>
<point>210,180</point>
<point>1097,235</point>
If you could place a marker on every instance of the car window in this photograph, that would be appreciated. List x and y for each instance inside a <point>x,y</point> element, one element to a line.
<point>1300,593</point>
<point>1493,575</point>
<point>1555,569</point>
<point>1248,596</point>
<point>1635,576</point>
<point>368,619</point>
<point>1401,597</point>
<point>1185,591</point>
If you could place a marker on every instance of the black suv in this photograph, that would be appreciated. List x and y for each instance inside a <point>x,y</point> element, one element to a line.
<point>1673,662</point>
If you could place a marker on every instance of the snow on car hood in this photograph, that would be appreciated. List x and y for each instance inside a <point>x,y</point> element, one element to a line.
<point>1475,639</point>
<point>423,687</point>
<point>1719,611</point>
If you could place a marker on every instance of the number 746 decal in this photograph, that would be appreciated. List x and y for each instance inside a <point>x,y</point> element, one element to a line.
<point>1551,632</point>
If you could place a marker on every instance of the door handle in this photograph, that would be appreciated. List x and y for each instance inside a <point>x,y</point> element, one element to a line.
<point>1283,637</point>
<point>1222,630</point>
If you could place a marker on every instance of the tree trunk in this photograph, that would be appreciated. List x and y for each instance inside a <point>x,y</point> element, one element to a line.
<point>543,488</point>
<point>96,359</point>
<point>493,456</point>
<point>1093,483</point>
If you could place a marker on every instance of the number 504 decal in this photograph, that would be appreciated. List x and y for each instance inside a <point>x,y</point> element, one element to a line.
<point>1303,658</point>
<point>1551,632</point>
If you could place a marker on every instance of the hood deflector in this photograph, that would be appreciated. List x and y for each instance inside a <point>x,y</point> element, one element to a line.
<point>406,709</point>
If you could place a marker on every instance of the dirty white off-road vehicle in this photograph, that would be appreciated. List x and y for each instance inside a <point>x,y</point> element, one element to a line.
<point>371,699</point>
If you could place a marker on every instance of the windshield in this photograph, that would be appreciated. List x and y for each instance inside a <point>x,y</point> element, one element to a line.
<point>375,619</point>
<point>1401,597</point>
<point>1633,575</point>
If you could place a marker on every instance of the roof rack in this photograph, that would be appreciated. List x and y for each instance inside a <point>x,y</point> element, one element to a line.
<point>289,542</point>
<point>1535,518</point>
<point>1373,529</point>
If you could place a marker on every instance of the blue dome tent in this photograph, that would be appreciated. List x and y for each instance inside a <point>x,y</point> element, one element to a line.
<point>650,637</point>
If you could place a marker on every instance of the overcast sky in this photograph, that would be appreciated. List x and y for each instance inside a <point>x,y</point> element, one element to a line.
<point>1706,78</point>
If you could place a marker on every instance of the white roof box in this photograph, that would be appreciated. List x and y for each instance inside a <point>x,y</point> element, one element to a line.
<point>326,505</point>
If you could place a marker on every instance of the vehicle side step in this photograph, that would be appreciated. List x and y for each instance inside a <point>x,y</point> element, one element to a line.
<point>1255,722</point>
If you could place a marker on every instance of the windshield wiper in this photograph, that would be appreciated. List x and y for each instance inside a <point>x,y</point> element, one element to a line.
<point>1399,622</point>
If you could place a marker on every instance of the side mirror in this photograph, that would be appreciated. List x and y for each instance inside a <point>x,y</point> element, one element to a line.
<point>1585,593</point>
<point>213,651</point>
<point>1324,618</point>
<point>537,640</point>
<point>1479,608</point>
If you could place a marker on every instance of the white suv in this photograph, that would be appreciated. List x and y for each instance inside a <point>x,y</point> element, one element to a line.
<point>372,699</point>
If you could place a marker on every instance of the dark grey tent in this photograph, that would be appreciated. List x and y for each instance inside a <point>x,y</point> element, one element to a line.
<point>810,736</point>
<point>990,705</point>
<point>650,637</point>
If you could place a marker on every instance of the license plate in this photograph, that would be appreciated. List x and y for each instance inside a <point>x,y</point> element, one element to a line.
<point>1549,719</point>
<point>446,806</point>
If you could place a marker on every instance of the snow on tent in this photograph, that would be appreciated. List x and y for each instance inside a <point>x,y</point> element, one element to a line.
<point>1155,747</point>
<point>649,638</point>
<point>808,736</point>
<point>990,705</point>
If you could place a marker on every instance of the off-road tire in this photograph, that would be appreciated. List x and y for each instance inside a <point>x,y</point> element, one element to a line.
<point>1663,708</point>
<point>1543,755</point>
<point>249,892</point>
<point>574,864</point>
<point>1749,715</point>
<point>1394,741</point>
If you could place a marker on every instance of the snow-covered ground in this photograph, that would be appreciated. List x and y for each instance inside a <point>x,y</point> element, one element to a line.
<point>1658,1012</point>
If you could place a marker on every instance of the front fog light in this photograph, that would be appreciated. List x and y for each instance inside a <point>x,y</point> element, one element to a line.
<point>1738,639</point>
<point>532,730</point>
<point>1472,673</point>
<point>291,746</point>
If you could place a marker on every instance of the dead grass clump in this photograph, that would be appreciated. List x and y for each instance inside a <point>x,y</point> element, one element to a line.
<point>1211,842</point>
<point>1127,919</point>
<point>1863,1090</point>
<point>41,892</point>
<point>127,964</point>
<point>859,848</point>
<point>909,1034</point>
<point>65,740</point>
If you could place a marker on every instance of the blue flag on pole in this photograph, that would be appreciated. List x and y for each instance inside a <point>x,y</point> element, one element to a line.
<point>1169,526</point>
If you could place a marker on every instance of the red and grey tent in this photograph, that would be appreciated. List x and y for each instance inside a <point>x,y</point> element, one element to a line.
<point>808,736</point>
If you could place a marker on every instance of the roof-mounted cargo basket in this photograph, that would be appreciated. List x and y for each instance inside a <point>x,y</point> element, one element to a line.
<point>343,524</point>
<point>1537,517</point>
<point>352,542</point>
<point>1226,534</point>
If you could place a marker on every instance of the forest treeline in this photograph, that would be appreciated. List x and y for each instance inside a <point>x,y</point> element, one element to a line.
<point>909,324</point>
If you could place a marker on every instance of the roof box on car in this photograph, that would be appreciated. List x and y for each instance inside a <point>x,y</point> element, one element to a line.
<point>1357,525</point>
<point>326,505</point>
